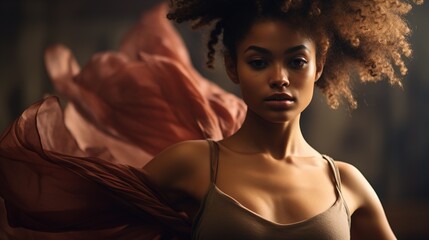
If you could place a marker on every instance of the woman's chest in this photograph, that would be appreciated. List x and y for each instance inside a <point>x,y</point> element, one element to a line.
<point>283,196</point>
<point>222,217</point>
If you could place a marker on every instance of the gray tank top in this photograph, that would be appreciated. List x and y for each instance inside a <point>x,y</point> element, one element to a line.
<point>222,217</point>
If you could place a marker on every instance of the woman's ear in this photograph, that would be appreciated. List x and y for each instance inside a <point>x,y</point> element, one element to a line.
<point>231,68</point>
<point>319,69</point>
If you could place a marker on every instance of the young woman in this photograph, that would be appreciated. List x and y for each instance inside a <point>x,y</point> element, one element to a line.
<point>263,181</point>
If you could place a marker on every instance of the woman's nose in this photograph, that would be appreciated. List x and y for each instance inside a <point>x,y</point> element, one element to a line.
<point>279,79</point>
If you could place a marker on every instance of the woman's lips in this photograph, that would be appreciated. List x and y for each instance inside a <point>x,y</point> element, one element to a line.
<point>279,101</point>
<point>280,97</point>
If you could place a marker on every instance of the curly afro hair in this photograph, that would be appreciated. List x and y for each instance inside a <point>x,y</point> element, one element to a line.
<point>366,38</point>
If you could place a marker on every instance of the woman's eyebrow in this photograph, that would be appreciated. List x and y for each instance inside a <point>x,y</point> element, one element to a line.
<point>297,48</point>
<point>258,49</point>
<point>268,52</point>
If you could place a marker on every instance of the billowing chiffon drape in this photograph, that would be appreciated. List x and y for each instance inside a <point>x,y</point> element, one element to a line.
<point>78,174</point>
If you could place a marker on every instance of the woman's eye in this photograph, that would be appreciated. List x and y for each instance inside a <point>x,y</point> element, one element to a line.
<point>258,64</point>
<point>298,62</point>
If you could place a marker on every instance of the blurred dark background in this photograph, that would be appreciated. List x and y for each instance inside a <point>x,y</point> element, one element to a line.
<point>386,137</point>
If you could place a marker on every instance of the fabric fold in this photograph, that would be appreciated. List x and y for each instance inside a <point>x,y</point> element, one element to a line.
<point>67,190</point>
<point>77,173</point>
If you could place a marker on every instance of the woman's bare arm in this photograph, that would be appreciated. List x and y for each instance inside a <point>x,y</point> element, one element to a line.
<point>369,220</point>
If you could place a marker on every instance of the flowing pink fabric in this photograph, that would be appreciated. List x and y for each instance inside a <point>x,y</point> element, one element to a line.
<point>79,175</point>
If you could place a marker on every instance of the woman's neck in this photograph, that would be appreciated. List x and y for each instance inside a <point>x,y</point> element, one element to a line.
<point>278,140</point>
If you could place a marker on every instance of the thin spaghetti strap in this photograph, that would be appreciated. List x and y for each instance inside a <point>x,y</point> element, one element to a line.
<point>334,170</point>
<point>214,160</point>
<point>337,176</point>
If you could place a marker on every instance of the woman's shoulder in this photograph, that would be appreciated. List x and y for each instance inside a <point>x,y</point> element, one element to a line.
<point>352,178</point>
<point>180,166</point>
<point>353,182</point>
<point>349,173</point>
<point>181,156</point>
<point>183,151</point>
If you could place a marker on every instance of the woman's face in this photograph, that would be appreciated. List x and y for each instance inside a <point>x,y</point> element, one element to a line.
<point>276,70</point>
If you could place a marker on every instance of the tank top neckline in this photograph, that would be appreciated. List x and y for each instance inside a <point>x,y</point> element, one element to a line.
<point>214,189</point>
